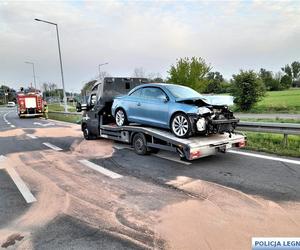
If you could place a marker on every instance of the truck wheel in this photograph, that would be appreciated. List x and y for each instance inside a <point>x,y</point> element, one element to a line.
<point>87,134</point>
<point>181,125</point>
<point>139,144</point>
<point>121,118</point>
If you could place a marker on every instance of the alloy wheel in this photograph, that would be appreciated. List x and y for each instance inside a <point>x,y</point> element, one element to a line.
<point>180,125</point>
<point>120,117</point>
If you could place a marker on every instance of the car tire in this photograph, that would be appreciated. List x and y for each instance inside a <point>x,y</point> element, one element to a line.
<point>121,118</point>
<point>181,125</point>
<point>139,144</point>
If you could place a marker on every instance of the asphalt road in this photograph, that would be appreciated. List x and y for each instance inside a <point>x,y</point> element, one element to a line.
<point>90,195</point>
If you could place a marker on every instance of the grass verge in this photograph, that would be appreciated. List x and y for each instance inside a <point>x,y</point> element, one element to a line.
<point>273,143</point>
<point>65,118</point>
<point>58,107</point>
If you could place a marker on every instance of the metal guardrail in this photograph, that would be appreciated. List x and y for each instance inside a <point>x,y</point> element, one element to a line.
<point>270,127</point>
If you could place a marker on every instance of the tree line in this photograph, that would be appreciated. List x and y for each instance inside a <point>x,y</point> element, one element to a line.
<point>248,87</point>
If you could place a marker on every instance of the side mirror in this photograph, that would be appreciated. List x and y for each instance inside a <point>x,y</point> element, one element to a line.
<point>84,106</point>
<point>165,99</point>
<point>80,107</point>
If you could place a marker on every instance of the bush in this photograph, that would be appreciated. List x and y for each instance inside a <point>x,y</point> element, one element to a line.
<point>248,89</point>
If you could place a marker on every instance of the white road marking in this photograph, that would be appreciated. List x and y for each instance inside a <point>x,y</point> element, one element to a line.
<point>265,157</point>
<point>2,158</point>
<point>24,190</point>
<point>170,158</point>
<point>49,145</point>
<point>13,126</point>
<point>44,124</point>
<point>100,169</point>
<point>31,136</point>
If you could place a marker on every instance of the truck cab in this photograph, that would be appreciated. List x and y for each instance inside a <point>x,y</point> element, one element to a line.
<point>97,108</point>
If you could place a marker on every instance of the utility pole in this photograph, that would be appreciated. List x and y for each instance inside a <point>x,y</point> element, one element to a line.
<point>101,64</point>
<point>60,60</point>
<point>34,78</point>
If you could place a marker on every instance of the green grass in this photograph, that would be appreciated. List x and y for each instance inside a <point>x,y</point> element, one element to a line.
<point>273,143</point>
<point>65,118</point>
<point>277,120</point>
<point>286,101</point>
<point>58,107</point>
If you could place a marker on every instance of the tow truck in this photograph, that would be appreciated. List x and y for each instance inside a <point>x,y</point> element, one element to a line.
<point>97,122</point>
<point>30,103</point>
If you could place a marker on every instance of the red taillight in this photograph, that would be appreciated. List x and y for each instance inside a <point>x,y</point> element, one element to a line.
<point>195,154</point>
<point>241,144</point>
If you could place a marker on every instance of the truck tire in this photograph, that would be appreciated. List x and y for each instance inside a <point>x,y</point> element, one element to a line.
<point>87,134</point>
<point>139,144</point>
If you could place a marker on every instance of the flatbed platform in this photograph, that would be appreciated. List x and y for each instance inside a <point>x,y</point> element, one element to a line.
<point>189,148</point>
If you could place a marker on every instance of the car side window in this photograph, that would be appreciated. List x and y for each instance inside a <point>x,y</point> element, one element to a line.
<point>136,93</point>
<point>153,93</point>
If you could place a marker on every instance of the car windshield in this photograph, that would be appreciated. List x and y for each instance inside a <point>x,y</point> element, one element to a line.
<point>179,91</point>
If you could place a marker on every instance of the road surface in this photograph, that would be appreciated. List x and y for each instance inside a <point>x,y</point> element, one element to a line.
<point>58,191</point>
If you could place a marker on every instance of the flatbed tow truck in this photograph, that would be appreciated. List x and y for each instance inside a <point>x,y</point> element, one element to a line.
<point>97,122</point>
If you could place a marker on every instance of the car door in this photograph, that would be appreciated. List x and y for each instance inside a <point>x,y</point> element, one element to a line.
<point>92,117</point>
<point>154,107</point>
<point>132,106</point>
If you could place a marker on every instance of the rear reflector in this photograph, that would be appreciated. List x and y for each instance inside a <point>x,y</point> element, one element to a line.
<point>241,144</point>
<point>195,154</point>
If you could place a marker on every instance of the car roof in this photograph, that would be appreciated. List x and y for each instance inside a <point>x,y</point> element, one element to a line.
<point>159,84</point>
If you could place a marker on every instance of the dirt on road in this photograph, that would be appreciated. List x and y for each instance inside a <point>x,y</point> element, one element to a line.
<point>199,214</point>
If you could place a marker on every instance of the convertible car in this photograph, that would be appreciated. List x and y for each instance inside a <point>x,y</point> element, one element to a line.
<point>175,107</point>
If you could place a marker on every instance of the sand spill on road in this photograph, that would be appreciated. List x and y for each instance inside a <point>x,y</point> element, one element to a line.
<point>224,218</point>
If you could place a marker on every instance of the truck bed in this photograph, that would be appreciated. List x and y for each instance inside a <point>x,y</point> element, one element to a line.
<point>213,140</point>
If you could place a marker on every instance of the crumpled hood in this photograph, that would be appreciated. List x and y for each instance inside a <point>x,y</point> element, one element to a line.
<point>198,101</point>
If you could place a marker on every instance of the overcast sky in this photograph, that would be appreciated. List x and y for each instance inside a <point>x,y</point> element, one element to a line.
<point>229,35</point>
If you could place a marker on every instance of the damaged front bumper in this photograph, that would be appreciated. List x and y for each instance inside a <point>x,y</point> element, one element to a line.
<point>206,125</point>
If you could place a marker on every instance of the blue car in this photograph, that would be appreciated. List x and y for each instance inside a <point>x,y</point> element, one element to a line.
<point>178,108</point>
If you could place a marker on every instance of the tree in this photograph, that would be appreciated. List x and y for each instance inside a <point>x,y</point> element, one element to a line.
<point>271,83</point>
<point>190,72</point>
<point>155,77</point>
<point>286,82</point>
<point>248,89</point>
<point>215,80</point>
<point>139,72</point>
<point>293,73</point>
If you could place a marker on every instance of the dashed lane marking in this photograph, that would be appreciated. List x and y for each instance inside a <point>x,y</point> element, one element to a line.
<point>100,169</point>
<point>49,145</point>
<point>31,136</point>
<point>264,157</point>
<point>12,126</point>
<point>24,190</point>
<point>2,159</point>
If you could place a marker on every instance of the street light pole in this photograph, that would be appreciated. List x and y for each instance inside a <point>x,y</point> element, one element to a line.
<point>101,64</point>
<point>60,60</point>
<point>34,78</point>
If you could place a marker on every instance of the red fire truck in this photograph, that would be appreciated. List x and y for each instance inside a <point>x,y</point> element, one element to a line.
<point>30,103</point>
